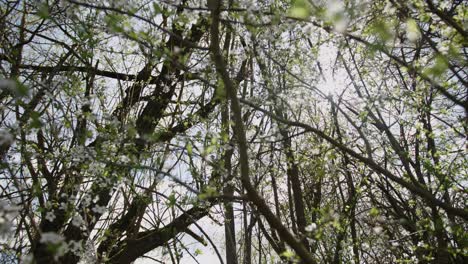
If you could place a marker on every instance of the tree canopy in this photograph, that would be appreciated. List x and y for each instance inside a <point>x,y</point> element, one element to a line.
<point>237,132</point>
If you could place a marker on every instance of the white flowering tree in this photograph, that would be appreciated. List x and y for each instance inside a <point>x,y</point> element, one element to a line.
<point>305,131</point>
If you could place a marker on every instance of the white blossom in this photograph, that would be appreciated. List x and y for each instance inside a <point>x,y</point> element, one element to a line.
<point>63,206</point>
<point>51,238</point>
<point>412,30</point>
<point>311,228</point>
<point>75,247</point>
<point>6,138</point>
<point>50,216</point>
<point>89,254</point>
<point>6,84</point>
<point>389,9</point>
<point>124,159</point>
<point>166,88</point>
<point>377,230</point>
<point>341,25</point>
<point>26,259</point>
<point>78,221</point>
<point>99,209</point>
<point>337,15</point>
<point>334,8</point>
<point>86,201</point>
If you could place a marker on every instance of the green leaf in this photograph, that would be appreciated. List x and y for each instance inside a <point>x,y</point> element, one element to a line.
<point>16,88</point>
<point>35,120</point>
<point>382,30</point>
<point>288,254</point>
<point>157,8</point>
<point>300,9</point>
<point>189,148</point>
<point>21,89</point>
<point>412,30</point>
<point>209,192</point>
<point>220,91</point>
<point>171,200</point>
<point>439,67</point>
<point>43,11</point>
<point>114,23</point>
<point>374,212</point>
